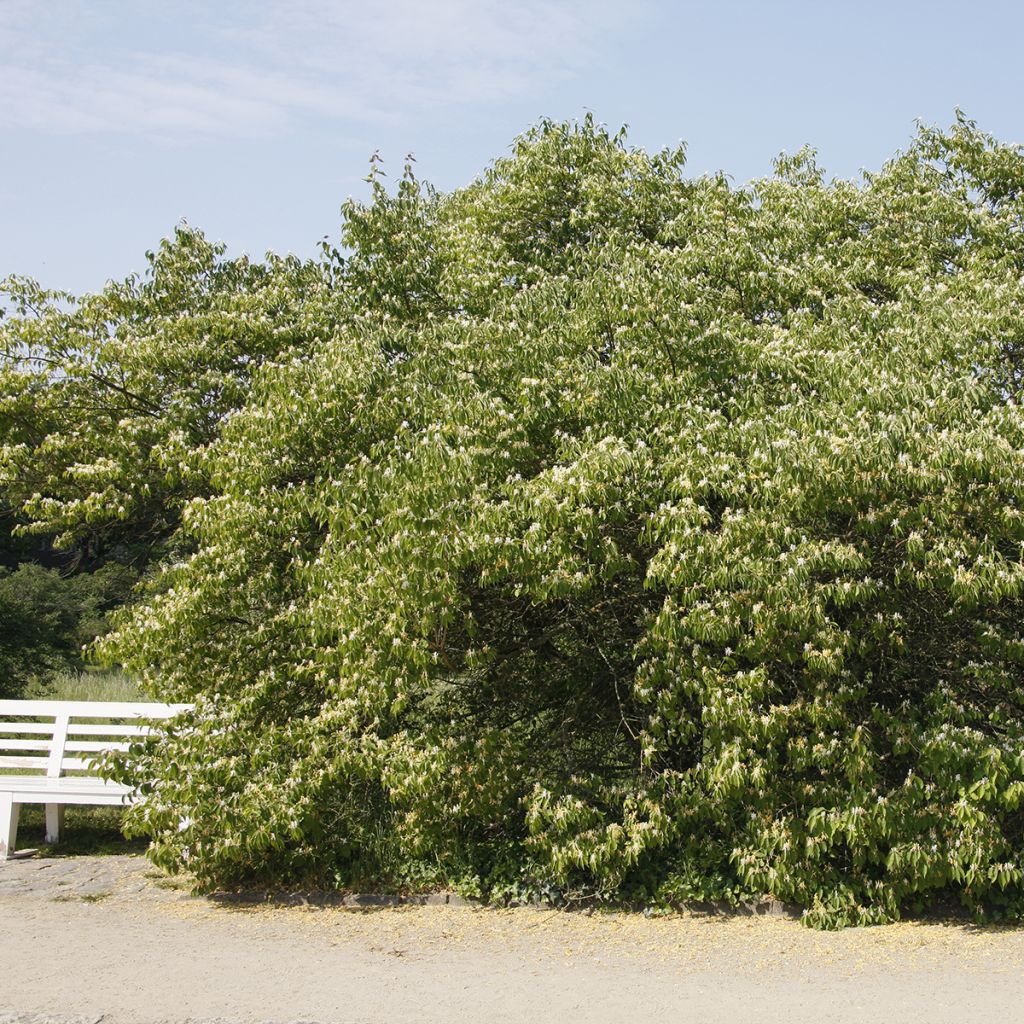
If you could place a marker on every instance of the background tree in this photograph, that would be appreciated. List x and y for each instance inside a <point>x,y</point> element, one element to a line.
<point>107,406</point>
<point>118,394</point>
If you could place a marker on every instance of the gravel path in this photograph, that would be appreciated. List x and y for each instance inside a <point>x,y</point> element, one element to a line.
<point>108,939</point>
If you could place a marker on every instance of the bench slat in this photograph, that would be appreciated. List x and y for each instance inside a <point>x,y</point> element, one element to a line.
<point>91,746</point>
<point>67,764</point>
<point>69,784</point>
<point>78,729</point>
<point>23,762</point>
<point>90,708</point>
<point>44,745</point>
<point>60,736</point>
<point>38,789</point>
<point>74,729</point>
<point>13,728</point>
<point>37,744</point>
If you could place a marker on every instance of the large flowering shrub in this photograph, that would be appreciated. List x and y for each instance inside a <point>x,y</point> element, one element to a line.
<point>621,534</point>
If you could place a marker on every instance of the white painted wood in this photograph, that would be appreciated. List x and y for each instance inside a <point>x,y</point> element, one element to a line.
<point>54,822</point>
<point>69,764</point>
<point>36,744</point>
<point>77,729</point>
<point>23,762</point>
<point>45,746</point>
<point>81,789</point>
<point>9,811</point>
<point>60,737</point>
<point>92,746</point>
<point>91,708</point>
<point>77,764</point>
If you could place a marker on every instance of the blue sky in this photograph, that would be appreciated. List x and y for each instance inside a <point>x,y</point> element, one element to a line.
<point>255,120</point>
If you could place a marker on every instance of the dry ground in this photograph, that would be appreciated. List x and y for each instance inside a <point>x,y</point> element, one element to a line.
<point>107,936</point>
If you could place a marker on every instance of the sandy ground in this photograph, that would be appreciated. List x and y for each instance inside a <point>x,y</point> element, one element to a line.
<point>107,937</point>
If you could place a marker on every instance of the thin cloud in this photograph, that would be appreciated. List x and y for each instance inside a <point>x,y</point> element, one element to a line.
<point>246,70</point>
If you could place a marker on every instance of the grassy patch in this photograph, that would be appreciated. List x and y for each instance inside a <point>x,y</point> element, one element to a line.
<point>89,897</point>
<point>90,684</point>
<point>87,830</point>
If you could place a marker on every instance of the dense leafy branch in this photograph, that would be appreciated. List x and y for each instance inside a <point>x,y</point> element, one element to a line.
<point>591,528</point>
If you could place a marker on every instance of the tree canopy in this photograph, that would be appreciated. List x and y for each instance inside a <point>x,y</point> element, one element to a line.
<point>107,406</point>
<point>110,401</point>
<point>591,530</point>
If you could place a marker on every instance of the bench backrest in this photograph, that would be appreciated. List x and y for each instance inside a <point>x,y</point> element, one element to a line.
<point>57,736</point>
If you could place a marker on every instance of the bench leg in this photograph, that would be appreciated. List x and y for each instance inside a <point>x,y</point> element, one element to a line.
<point>9,812</point>
<point>54,822</point>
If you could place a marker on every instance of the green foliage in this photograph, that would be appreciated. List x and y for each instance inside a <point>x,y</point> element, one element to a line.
<point>108,403</point>
<point>47,618</point>
<point>610,532</point>
<point>107,407</point>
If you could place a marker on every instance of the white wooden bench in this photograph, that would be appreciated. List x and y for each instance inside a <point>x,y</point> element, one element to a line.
<point>58,740</point>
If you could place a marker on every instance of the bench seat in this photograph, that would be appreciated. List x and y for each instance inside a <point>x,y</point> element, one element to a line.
<point>85,789</point>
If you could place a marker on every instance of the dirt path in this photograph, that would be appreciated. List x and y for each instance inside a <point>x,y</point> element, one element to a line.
<point>107,937</point>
